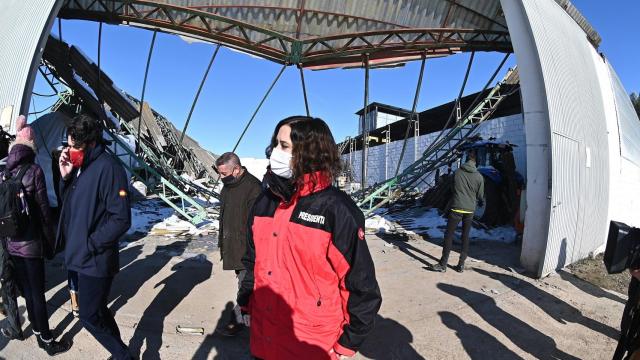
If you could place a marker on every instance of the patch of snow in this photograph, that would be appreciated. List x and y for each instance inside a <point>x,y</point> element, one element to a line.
<point>377,223</point>
<point>144,215</point>
<point>433,224</point>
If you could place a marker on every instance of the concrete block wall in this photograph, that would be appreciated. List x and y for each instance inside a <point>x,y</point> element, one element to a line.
<point>509,128</point>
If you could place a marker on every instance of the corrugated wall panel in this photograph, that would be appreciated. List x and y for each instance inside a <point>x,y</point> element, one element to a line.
<point>575,109</point>
<point>24,26</point>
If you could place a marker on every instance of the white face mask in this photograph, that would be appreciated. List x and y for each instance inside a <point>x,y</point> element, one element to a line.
<point>280,162</point>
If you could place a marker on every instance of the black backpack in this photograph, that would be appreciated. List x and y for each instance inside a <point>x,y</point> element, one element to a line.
<point>14,210</point>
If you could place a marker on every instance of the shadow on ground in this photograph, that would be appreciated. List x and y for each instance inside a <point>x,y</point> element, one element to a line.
<point>557,309</point>
<point>503,255</point>
<point>226,348</point>
<point>389,340</point>
<point>523,335</point>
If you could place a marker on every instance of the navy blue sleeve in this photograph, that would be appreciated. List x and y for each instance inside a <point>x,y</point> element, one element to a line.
<point>113,191</point>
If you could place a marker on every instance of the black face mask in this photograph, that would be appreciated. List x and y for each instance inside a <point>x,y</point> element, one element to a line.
<point>279,186</point>
<point>228,180</point>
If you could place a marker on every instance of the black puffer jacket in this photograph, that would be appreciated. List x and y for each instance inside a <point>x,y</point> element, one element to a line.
<point>41,229</point>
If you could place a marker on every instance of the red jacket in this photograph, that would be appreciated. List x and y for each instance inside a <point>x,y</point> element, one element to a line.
<point>311,284</point>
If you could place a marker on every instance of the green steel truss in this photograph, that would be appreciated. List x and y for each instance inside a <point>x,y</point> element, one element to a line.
<point>166,190</point>
<point>437,155</point>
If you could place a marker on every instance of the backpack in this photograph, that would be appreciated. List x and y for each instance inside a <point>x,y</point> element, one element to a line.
<point>14,210</point>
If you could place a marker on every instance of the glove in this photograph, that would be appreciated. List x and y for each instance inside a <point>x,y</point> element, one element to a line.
<point>242,316</point>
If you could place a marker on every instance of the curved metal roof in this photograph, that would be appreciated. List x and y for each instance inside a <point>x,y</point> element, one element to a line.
<point>317,32</point>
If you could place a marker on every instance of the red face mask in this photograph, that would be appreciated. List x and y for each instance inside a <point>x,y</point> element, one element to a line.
<point>77,157</point>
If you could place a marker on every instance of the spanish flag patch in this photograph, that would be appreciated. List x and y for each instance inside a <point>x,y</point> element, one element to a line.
<point>122,193</point>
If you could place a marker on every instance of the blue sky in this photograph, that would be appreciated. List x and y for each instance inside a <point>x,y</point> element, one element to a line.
<point>237,81</point>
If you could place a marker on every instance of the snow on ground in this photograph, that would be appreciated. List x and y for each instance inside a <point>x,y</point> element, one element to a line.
<point>146,214</point>
<point>420,220</point>
<point>154,217</point>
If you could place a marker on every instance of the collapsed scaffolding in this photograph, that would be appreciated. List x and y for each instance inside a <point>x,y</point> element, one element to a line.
<point>442,152</point>
<point>178,171</point>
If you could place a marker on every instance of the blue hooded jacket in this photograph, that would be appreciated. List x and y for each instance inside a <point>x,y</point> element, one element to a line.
<point>95,213</point>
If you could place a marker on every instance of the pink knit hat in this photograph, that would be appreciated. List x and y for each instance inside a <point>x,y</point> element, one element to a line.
<point>23,131</point>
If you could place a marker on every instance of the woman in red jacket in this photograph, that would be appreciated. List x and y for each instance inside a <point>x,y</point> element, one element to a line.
<point>311,289</point>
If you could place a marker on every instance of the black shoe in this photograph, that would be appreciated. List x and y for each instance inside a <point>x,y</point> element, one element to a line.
<point>232,329</point>
<point>459,268</point>
<point>53,347</point>
<point>11,335</point>
<point>438,268</point>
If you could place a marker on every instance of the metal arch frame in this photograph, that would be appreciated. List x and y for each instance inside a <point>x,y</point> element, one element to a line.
<point>395,42</point>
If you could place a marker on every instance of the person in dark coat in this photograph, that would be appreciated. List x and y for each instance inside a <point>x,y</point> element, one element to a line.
<point>629,342</point>
<point>9,291</point>
<point>28,250</point>
<point>468,191</point>
<point>95,213</point>
<point>237,197</point>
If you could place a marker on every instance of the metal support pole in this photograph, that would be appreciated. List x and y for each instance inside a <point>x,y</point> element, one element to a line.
<point>60,28</point>
<point>365,131</point>
<point>195,100</point>
<point>387,138</point>
<point>456,107</point>
<point>259,106</point>
<point>416,136</point>
<point>304,90</point>
<point>413,113</point>
<point>99,90</point>
<point>144,82</point>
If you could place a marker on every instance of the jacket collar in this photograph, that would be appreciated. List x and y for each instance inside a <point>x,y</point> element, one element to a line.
<point>238,179</point>
<point>314,182</point>
<point>91,154</point>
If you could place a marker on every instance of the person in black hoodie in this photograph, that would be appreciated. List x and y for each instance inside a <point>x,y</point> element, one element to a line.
<point>28,249</point>
<point>95,213</point>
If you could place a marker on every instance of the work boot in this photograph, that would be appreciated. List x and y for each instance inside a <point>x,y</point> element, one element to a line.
<point>53,347</point>
<point>459,268</point>
<point>75,307</point>
<point>439,268</point>
<point>231,329</point>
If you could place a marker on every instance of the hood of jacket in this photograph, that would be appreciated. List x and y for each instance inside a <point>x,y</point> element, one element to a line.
<point>21,152</point>
<point>469,166</point>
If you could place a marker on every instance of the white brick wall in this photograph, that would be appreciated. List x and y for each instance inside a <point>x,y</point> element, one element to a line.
<point>509,128</point>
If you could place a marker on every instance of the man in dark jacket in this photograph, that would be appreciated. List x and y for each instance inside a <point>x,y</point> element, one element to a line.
<point>237,197</point>
<point>468,190</point>
<point>95,214</point>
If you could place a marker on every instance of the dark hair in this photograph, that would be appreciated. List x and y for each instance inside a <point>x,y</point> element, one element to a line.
<point>84,130</point>
<point>314,149</point>
<point>471,155</point>
<point>228,158</point>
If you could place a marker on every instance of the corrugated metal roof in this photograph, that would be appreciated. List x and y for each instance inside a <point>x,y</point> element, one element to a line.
<point>318,33</point>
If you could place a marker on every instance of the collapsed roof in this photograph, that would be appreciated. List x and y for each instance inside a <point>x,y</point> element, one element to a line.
<point>184,162</point>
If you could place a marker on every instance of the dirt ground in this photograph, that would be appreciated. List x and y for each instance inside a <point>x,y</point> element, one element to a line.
<point>488,312</point>
<point>592,270</point>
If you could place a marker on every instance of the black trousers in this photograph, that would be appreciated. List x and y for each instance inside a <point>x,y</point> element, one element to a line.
<point>452,223</point>
<point>9,290</point>
<point>96,316</point>
<point>30,278</point>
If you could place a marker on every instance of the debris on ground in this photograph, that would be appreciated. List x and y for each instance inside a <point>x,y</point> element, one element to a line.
<point>593,270</point>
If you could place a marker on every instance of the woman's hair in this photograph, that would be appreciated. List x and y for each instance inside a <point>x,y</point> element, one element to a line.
<point>314,149</point>
<point>84,129</point>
